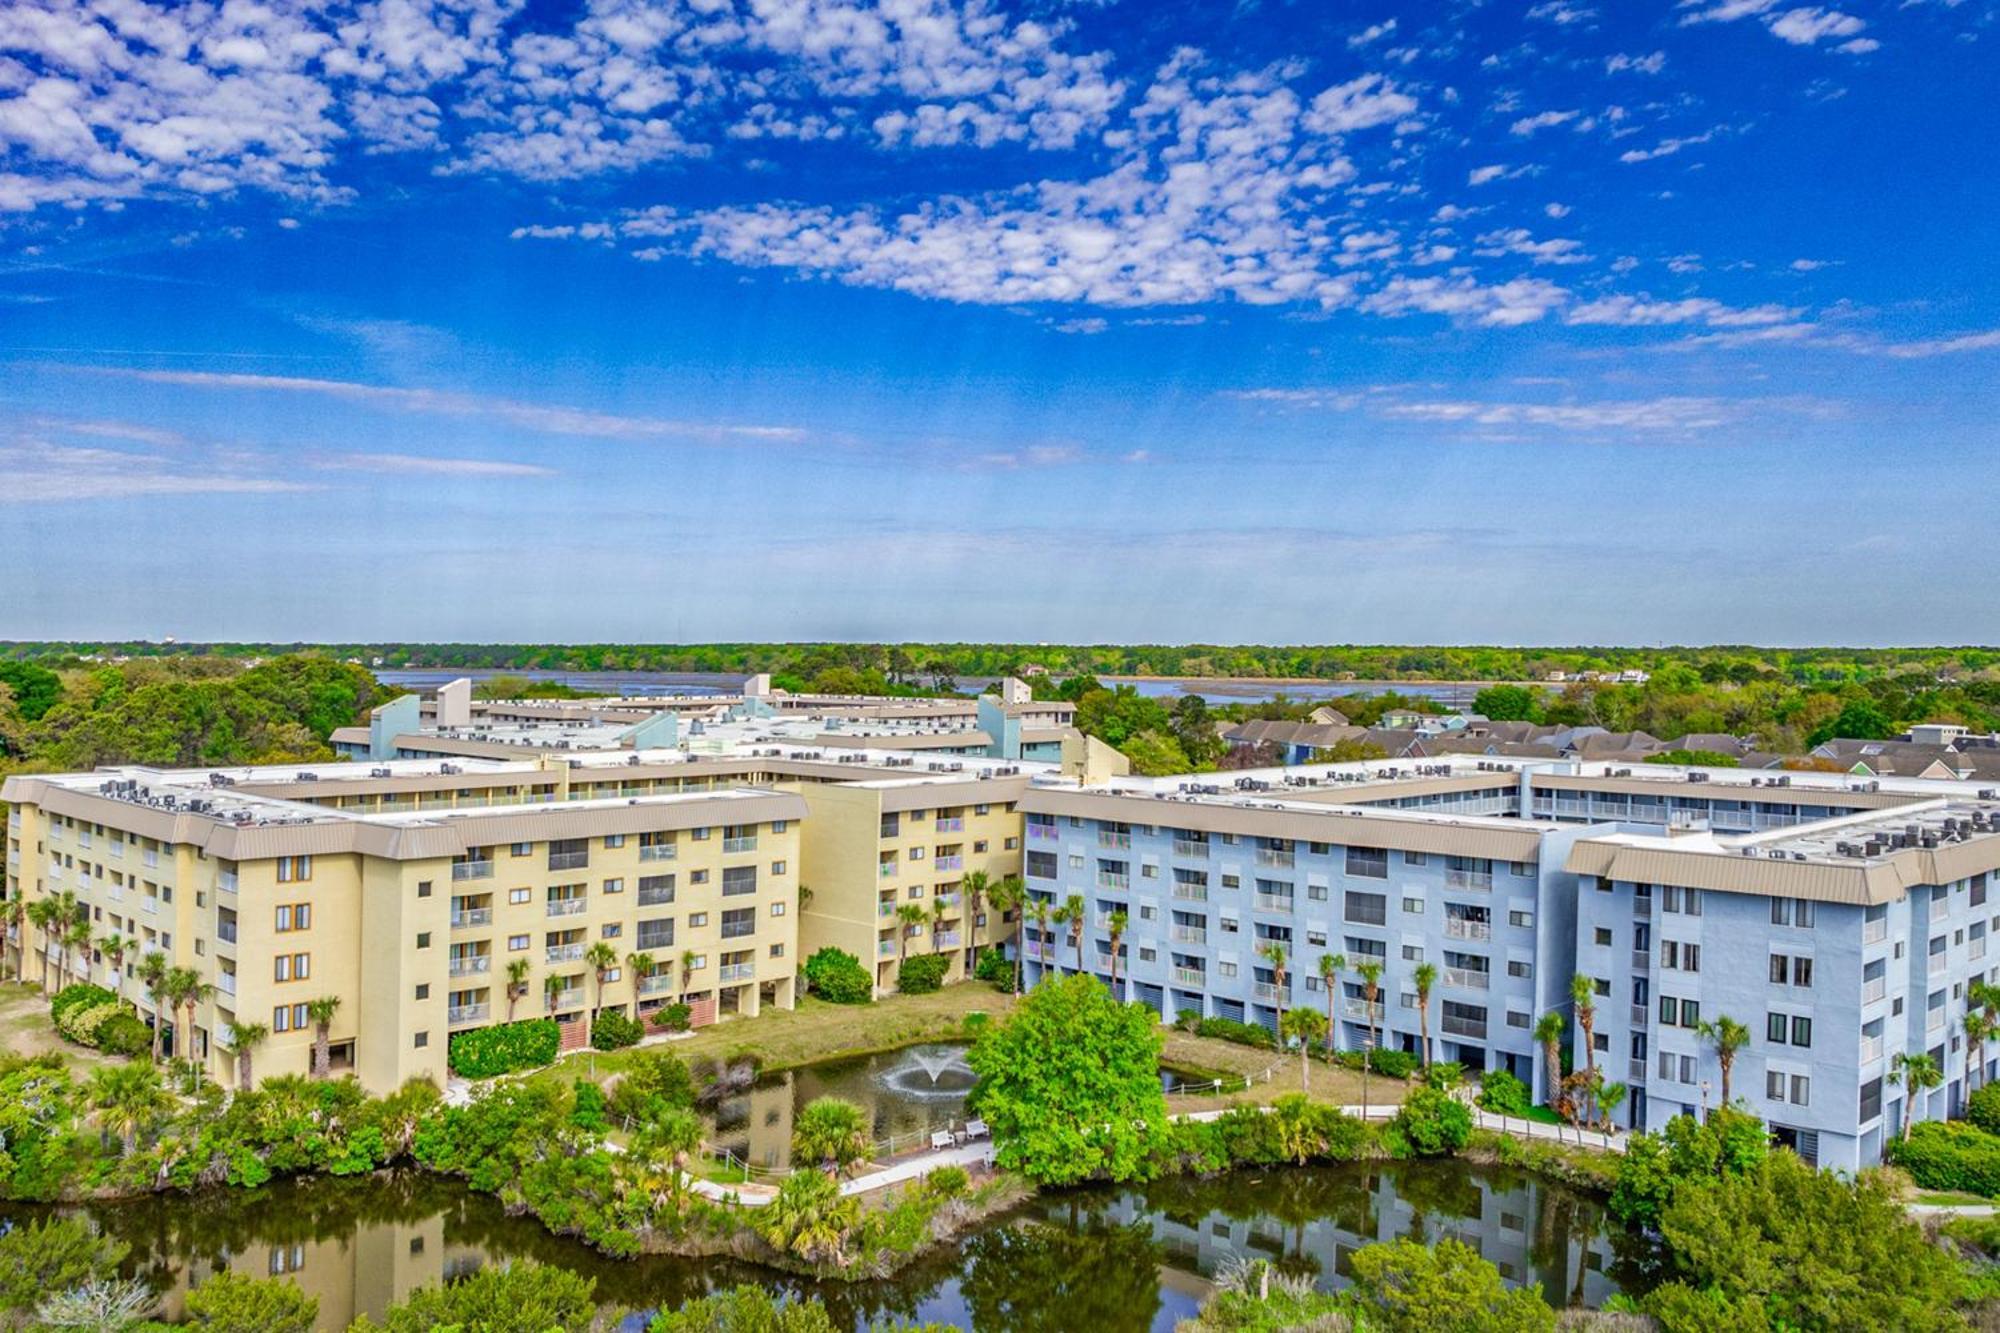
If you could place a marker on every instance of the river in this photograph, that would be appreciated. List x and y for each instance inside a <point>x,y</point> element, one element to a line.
<point>1108,1260</point>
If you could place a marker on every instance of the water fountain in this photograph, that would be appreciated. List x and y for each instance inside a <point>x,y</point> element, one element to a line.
<point>929,1073</point>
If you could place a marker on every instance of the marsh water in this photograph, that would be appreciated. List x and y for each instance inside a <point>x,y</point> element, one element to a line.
<point>1109,1260</point>
<point>907,1094</point>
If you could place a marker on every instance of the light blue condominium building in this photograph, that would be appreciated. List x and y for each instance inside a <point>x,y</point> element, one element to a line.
<point>1839,920</point>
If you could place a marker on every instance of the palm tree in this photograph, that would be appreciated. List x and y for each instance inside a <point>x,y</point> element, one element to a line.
<point>116,948</point>
<point>1330,967</point>
<point>1274,954</point>
<point>1078,912</point>
<point>642,965</point>
<point>1307,1027</point>
<point>1549,1029</point>
<point>552,986</point>
<point>1728,1037</point>
<point>688,959</point>
<point>78,942</point>
<point>127,1098</point>
<point>244,1038</point>
<point>1609,1098</point>
<point>517,984</point>
<point>976,886</point>
<point>602,958</point>
<point>1584,992</point>
<point>40,914</point>
<point>152,970</point>
<point>321,1011</point>
<point>1424,978</point>
<point>181,987</point>
<point>938,910</point>
<point>1042,914</point>
<point>908,918</point>
<point>1371,987</point>
<point>831,1132</point>
<point>1978,1028</point>
<point>12,912</point>
<point>1919,1073</point>
<point>1115,925</point>
<point>1005,895</point>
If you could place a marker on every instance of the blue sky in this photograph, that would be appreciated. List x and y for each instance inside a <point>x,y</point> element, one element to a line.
<point>1505,322</point>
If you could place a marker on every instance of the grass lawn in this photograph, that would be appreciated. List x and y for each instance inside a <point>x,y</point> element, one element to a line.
<point>816,1030</point>
<point>25,1028</point>
<point>1329,1083</point>
<point>1948,1198</point>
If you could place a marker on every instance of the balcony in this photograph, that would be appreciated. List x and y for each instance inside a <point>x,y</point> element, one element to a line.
<point>226,982</point>
<point>1107,838</point>
<point>947,900</point>
<point>748,844</point>
<point>1635,1071</point>
<point>1265,990</point>
<point>1871,1050</point>
<point>885,870</point>
<point>1190,976</point>
<point>1467,978</point>
<point>1036,833</point>
<point>461,870</point>
<point>1108,879</point>
<point>1358,1010</point>
<point>472,964</point>
<point>887,909</point>
<point>1198,850</point>
<point>1641,1015</point>
<point>470,917</point>
<point>565,953</point>
<point>1874,991</point>
<point>1455,1026</point>
<point>1270,856</point>
<point>1874,932</point>
<point>1641,960</point>
<point>564,999</point>
<point>1460,928</point>
<point>665,851</point>
<point>1190,935</point>
<point>885,948</point>
<point>1479,880</point>
<point>656,941</point>
<point>149,858</point>
<point>225,932</point>
<point>225,881</point>
<point>467,1013</point>
<point>656,983</point>
<point>738,971</point>
<point>568,860</point>
<point>1191,893</point>
<point>567,906</point>
<point>736,930</point>
<point>946,939</point>
<point>1274,902</point>
<point>949,863</point>
<point>954,824</point>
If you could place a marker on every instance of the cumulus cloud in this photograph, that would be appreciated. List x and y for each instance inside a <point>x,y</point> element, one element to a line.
<point>1646,64</point>
<point>1527,125</point>
<point>1518,241</point>
<point>1642,311</point>
<point>1462,297</point>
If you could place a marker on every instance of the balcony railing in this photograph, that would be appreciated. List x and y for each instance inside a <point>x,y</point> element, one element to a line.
<point>739,844</point>
<point>472,916</point>
<point>565,953</point>
<point>738,971</point>
<point>660,941</point>
<point>1107,879</point>
<point>565,999</point>
<point>471,870</point>
<point>1874,932</point>
<point>885,948</point>
<point>665,851</point>
<point>954,824</point>
<point>736,930</point>
<point>947,899</point>
<point>1036,833</point>
<point>1190,934</point>
<point>1270,856</point>
<point>1355,1009</point>
<point>225,932</point>
<point>1266,990</point>
<point>1191,893</point>
<point>226,982</point>
<point>568,860</point>
<point>1274,902</point>
<point>1465,1027</point>
<point>1481,880</point>
<point>655,897</point>
<point>654,984</point>
<point>1106,838</point>
<point>1641,1015</point>
<point>946,939</point>
<point>1459,928</point>
<point>1469,978</point>
<point>885,869</point>
<point>1635,1071</point>
<point>1190,976</point>
<point>1874,991</point>
<point>1641,960</point>
<point>225,881</point>
<point>1871,1050</point>
<point>567,906</point>
<point>1183,847</point>
<point>469,964</point>
<point>949,863</point>
<point>467,1013</point>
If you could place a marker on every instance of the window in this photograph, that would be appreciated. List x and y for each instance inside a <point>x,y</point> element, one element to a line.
<point>1602,935</point>
<point>294,916</point>
<point>1225,969</point>
<point>294,869</point>
<point>777,951</point>
<point>1368,862</point>
<point>696,920</point>
<point>1687,902</point>
<point>1521,970</point>
<point>520,895</point>
<point>778,867</point>
<point>1414,858</point>
<point>777,909</point>
<point>423,888</point>
<point>521,849</point>
<point>1413,953</point>
<point>1871,1100</point>
<point>1520,869</point>
<point>1414,906</point>
<point>1524,920</point>
<point>423,1040</point>
<point>423,939</point>
<point>424,991</point>
<point>1365,909</point>
<point>516,943</point>
<point>281,1020</point>
<point>614,840</point>
<point>614,886</point>
<point>610,930</point>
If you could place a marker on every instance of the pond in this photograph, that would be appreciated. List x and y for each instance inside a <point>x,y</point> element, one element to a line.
<point>1110,1260</point>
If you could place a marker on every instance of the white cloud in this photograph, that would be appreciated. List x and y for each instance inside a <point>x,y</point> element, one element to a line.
<point>1518,241</point>
<point>1666,147</point>
<point>1558,12</point>
<point>1728,11</point>
<point>1667,415</point>
<point>1804,26</point>
<point>1642,311</point>
<point>1527,125</point>
<point>1086,325</point>
<point>425,465</point>
<point>1358,104</point>
<point>1646,64</point>
<point>1556,210</point>
<point>1521,301</point>
<point>38,472</point>
<point>1929,347</point>
<point>1372,32</point>
<point>443,402</point>
<point>1488,174</point>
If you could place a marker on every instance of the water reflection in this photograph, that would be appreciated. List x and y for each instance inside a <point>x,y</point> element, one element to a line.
<point>1113,1260</point>
<point>906,1093</point>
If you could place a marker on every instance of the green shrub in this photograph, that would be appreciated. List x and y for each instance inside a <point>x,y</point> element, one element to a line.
<point>1982,1108</point>
<point>81,995</point>
<point>1503,1094</point>
<point>1981,1233</point>
<point>1187,1020</point>
<point>1950,1155</point>
<point>587,1109</point>
<point>837,977</point>
<point>654,1082</point>
<point>1433,1122</point>
<point>484,1052</point>
<point>1390,1064</point>
<point>1654,1166</point>
<point>1228,1029</point>
<point>673,1017</point>
<point>923,974</point>
<point>80,1022</point>
<point>995,966</point>
<point>124,1034</point>
<point>613,1030</point>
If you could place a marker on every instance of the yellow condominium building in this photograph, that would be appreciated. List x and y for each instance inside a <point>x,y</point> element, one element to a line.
<point>421,922</point>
